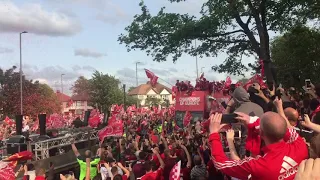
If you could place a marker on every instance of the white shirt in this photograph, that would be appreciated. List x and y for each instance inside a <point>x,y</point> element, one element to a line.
<point>25,128</point>
<point>104,172</point>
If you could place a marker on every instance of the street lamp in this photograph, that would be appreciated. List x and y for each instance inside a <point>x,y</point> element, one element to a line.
<point>62,83</point>
<point>195,44</point>
<point>137,83</point>
<point>21,97</point>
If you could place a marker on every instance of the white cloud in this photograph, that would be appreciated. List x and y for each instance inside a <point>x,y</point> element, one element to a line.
<point>84,52</point>
<point>51,75</point>
<point>5,50</point>
<point>34,19</point>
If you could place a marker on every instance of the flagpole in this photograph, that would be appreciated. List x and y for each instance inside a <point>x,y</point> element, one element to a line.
<point>165,81</point>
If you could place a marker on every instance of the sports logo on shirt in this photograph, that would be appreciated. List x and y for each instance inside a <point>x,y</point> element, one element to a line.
<point>289,167</point>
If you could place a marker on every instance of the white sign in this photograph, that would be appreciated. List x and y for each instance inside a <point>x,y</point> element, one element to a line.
<point>189,101</point>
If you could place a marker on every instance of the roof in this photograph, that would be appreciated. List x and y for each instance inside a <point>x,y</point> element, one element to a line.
<point>63,97</point>
<point>80,97</point>
<point>143,89</point>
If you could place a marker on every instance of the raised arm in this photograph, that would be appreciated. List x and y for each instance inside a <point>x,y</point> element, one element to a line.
<point>125,170</point>
<point>232,149</point>
<point>74,148</point>
<point>88,168</point>
<point>238,169</point>
<point>189,163</point>
<point>159,158</point>
<point>307,123</point>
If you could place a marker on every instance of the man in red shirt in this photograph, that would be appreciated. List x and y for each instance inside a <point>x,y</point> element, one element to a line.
<point>153,175</point>
<point>283,152</point>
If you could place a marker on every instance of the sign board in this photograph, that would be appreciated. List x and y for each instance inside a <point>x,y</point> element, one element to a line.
<point>191,102</point>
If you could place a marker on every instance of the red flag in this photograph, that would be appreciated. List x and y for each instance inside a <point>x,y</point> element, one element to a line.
<point>187,119</point>
<point>114,129</point>
<point>228,82</point>
<point>6,171</point>
<point>175,172</point>
<point>7,166</point>
<point>8,121</point>
<point>174,90</point>
<point>153,78</point>
<point>94,119</point>
<point>255,79</point>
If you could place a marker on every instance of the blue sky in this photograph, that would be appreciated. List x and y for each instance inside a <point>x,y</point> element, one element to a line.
<point>76,37</point>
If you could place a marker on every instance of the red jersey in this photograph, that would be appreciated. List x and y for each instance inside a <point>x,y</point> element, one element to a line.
<point>155,175</point>
<point>281,160</point>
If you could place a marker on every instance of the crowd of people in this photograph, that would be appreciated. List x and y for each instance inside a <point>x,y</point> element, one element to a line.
<point>276,137</point>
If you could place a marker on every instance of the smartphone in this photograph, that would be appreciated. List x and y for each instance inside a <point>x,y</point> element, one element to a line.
<point>229,118</point>
<point>224,104</point>
<point>308,83</point>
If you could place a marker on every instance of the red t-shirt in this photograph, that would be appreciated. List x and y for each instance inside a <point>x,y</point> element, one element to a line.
<point>156,160</point>
<point>185,172</point>
<point>155,175</point>
<point>124,177</point>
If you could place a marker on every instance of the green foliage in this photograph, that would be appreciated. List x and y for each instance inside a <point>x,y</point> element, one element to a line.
<point>81,86</point>
<point>37,98</point>
<point>296,55</point>
<point>238,28</point>
<point>104,90</point>
<point>152,101</point>
<point>130,100</point>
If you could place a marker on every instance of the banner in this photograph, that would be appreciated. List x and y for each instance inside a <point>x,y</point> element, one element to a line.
<point>194,102</point>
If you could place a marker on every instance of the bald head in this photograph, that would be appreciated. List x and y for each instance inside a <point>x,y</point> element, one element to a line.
<point>273,127</point>
<point>292,115</point>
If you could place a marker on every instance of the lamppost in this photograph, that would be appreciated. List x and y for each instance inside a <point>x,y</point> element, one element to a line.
<point>137,83</point>
<point>195,44</point>
<point>62,83</point>
<point>21,97</point>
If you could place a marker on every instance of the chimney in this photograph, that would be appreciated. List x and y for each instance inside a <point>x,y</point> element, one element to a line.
<point>19,119</point>
<point>42,124</point>
<point>86,117</point>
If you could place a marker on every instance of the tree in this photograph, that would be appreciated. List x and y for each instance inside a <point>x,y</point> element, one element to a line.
<point>131,88</point>
<point>131,100</point>
<point>152,101</point>
<point>37,98</point>
<point>104,91</point>
<point>239,28</point>
<point>296,55</point>
<point>81,86</point>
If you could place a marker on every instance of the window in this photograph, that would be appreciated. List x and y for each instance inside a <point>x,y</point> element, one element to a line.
<point>79,103</point>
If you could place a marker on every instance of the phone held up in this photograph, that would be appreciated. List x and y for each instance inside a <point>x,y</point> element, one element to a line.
<point>308,84</point>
